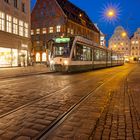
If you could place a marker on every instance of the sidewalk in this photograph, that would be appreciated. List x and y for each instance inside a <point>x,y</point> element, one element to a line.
<point>21,71</point>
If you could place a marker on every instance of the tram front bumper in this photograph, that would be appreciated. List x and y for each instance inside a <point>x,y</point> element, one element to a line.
<point>60,68</point>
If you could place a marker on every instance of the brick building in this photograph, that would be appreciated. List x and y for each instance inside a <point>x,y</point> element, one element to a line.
<point>58,18</point>
<point>14,32</point>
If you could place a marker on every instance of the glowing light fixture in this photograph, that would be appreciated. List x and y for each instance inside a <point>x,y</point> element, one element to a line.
<point>110,13</point>
<point>124,34</point>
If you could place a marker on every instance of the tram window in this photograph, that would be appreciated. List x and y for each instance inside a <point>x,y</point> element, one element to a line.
<point>96,54</point>
<point>109,56</point>
<point>82,53</point>
<point>103,55</point>
<point>87,54</point>
<point>61,49</point>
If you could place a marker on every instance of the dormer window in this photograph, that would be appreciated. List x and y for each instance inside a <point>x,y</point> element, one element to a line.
<point>23,7</point>
<point>7,1</point>
<point>15,4</point>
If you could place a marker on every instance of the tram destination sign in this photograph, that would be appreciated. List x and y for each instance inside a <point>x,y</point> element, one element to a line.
<point>62,40</point>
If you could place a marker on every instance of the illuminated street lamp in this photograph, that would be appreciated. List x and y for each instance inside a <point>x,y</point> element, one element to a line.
<point>123,34</point>
<point>111,13</point>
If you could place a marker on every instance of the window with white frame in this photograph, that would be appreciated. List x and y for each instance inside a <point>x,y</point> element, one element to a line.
<point>8,23</point>
<point>32,32</point>
<point>50,29</point>
<point>15,26</point>
<point>37,31</point>
<point>58,28</point>
<point>68,30</point>
<point>26,27</point>
<point>2,21</point>
<point>20,28</point>
<point>44,31</point>
<point>38,57</point>
<point>44,57</point>
<point>72,31</point>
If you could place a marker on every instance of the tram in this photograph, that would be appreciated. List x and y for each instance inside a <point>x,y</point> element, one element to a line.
<point>80,54</point>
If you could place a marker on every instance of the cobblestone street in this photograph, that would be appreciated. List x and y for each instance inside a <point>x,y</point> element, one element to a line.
<point>102,104</point>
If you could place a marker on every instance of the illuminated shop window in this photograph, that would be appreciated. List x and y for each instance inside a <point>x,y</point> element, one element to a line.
<point>44,31</point>
<point>8,57</point>
<point>50,29</point>
<point>58,28</point>
<point>20,28</point>
<point>37,57</point>
<point>2,21</point>
<point>44,57</point>
<point>26,29</point>
<point>37,31</point>
<point>15,26</point>
<point>8,23</point>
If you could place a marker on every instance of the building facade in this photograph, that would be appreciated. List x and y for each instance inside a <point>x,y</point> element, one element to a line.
<point>58,18</point>
<point>14,32</point>
<point>135,46</point>
<point>120,42</point>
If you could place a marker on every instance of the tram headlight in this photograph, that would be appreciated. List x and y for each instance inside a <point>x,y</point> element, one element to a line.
<point>51,62</point>
<point>65,62</point>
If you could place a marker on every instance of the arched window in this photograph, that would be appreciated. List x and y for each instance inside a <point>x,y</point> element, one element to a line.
<point>44,57</point>
<point>37,57</point>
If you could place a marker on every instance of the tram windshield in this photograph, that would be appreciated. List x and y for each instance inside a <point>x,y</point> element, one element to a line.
<point>61,47</point>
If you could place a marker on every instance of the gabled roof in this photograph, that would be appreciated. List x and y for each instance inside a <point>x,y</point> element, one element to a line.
<point>76,14</point>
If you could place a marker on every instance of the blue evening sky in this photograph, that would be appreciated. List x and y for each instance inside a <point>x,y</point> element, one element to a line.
<point>129,13</point>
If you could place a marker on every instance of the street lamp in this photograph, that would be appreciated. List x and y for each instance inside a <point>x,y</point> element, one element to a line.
<point>123,34</point>
<point>111,13</point>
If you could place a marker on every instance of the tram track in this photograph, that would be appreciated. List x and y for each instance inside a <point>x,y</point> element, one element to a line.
<point>66,114</point>
<point>52,93</point>
<point>46,96</point>
<point>63,116</point>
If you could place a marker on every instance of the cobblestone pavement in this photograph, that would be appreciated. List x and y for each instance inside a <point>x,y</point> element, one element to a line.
<point>111,113</point>
<point>30,105</point>
<point>20,71</point>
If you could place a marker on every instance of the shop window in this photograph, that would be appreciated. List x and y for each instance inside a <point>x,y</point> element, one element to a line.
<point>37,57</point>
<point>44,57</point>
<point>8,57</point>
<point>8,23</point>
<point>2,21</point>
<point>15,26</point>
